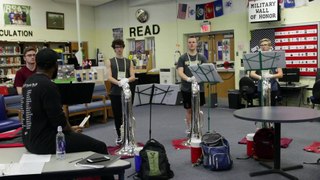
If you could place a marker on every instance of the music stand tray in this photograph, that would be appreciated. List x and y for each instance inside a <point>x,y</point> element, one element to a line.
<point>165,94</point>
<point>264,60</point>
<point>205,72</point>
<point>75,93</point>
<point>142,94</point>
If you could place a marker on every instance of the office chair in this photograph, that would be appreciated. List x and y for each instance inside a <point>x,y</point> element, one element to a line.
<point>247,90</point>
<point>318,74</point>
<point>315,98</point>
<point>7,124</point>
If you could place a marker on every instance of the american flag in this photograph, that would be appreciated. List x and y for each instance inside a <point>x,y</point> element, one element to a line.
<point>182,11</point>
<point>300,44</point>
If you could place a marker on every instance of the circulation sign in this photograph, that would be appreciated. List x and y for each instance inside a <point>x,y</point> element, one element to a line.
<point>263,10</point>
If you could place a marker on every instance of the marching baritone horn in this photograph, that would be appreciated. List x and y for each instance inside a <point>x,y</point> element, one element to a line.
<point>197,114</point>
<point>266,98</point>
<point>128,143</point>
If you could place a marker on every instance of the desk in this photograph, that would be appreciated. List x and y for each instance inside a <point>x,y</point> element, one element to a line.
<point>277,115</point>
<point>63,169</point>
<point>296,87</point>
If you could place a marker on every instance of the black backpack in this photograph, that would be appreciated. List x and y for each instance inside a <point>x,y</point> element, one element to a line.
<point>154,162</point>
<point>263,143</point>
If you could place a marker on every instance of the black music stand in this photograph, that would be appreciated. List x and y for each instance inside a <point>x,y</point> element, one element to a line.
<point>206,73</point>
<point>264,60</point>
<point>146,93</point>
<point>75,93</point>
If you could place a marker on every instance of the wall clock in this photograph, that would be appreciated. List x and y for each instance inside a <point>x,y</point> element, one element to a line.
<point>142,15</point>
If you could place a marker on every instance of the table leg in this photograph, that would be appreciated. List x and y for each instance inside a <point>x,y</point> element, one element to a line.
<point>300,96</point>
<point>121,176</point>
<point>277,159</point>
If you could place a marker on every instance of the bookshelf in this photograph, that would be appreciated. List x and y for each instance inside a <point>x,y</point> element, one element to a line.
<point>11,56</point>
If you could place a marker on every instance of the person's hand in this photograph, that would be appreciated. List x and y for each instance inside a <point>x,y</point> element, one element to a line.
<point>123,81</point>
<point>191,79</point>
<point>267,76</point>
<point>259,77</point>
<point>77,129</point>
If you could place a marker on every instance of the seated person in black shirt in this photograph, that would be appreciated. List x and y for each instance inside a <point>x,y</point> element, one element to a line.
<point>42,112</point>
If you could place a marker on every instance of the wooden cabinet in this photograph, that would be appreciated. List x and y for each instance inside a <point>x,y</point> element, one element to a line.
<point>84,45</point>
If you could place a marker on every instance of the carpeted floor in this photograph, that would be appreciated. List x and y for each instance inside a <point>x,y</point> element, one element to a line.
<point>167,124</point>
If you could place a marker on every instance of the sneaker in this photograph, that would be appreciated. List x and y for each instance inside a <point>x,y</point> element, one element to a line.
<point>118,140</point>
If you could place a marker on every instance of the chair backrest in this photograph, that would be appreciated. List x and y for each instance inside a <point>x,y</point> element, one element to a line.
<point>100,90</point>
<point>3,112</point>
<point>247,86</point>
<point>318,75</point>
<point>316,90</point>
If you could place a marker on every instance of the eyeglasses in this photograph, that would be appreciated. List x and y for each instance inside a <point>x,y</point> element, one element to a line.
<point>118,47</point>
<point>264,44</point>
<point>30,55</point>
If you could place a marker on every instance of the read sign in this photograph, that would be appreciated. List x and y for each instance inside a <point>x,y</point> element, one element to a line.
<point>263,10</point>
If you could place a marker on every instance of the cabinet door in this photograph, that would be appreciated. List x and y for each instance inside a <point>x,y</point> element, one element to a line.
<point>84,45</point>
<point>214,45</point>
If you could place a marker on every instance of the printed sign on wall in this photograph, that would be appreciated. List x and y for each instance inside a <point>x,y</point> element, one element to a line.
<point>263,10</point>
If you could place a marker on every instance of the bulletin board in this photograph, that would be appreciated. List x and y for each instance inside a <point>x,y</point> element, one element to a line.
<point>300,44</point>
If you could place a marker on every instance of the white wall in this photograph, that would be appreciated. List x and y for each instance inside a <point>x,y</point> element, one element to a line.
<point>119,14</point>
<point>38,23</point>
<point>97,24</point>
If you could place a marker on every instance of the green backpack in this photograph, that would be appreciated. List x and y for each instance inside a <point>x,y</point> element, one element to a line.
<point>154,162</point>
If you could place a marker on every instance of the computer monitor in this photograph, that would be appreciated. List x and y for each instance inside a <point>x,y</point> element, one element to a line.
<point>75,93</point>
<point>290,75</point>
<point>73,61</point>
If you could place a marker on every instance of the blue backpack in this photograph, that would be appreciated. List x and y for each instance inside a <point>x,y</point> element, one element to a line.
<point>215,152</point>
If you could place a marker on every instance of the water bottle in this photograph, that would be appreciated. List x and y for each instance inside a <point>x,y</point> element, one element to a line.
<point>60,144</point>
<point>90,76</point>
<point>78,77</point>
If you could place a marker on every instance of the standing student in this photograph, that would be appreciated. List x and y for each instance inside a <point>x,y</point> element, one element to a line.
<point>120,71</point>
<point>42,112</point>
<point>191,57</point>
<point>29,55</point>
<point>271,75</point>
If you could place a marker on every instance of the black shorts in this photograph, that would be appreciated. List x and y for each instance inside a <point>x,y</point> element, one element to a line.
<point>187,96</point>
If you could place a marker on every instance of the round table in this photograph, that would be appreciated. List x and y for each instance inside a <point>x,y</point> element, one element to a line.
<point>278,115</point>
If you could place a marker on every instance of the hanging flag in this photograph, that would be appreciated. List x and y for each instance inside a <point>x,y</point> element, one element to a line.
<point>208,10</point>
<point>182,10</point>
<point>249,1</point>
<point>199,11</point>
<point>299,3</point>
<point>191,11</point>
<point>227,7</point>
<point>218,8</point>
<point>281,3</point>
<point>289,4</point>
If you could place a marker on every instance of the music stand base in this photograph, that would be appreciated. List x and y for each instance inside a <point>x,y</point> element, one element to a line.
<point>278,171</point>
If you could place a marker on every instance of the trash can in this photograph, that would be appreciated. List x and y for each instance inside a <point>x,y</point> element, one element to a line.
<point>213,100</point>
<point>234,99</point>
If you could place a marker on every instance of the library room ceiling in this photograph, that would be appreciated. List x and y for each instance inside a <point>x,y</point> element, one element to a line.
<point>86,2</point>
<point>101,2</point>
